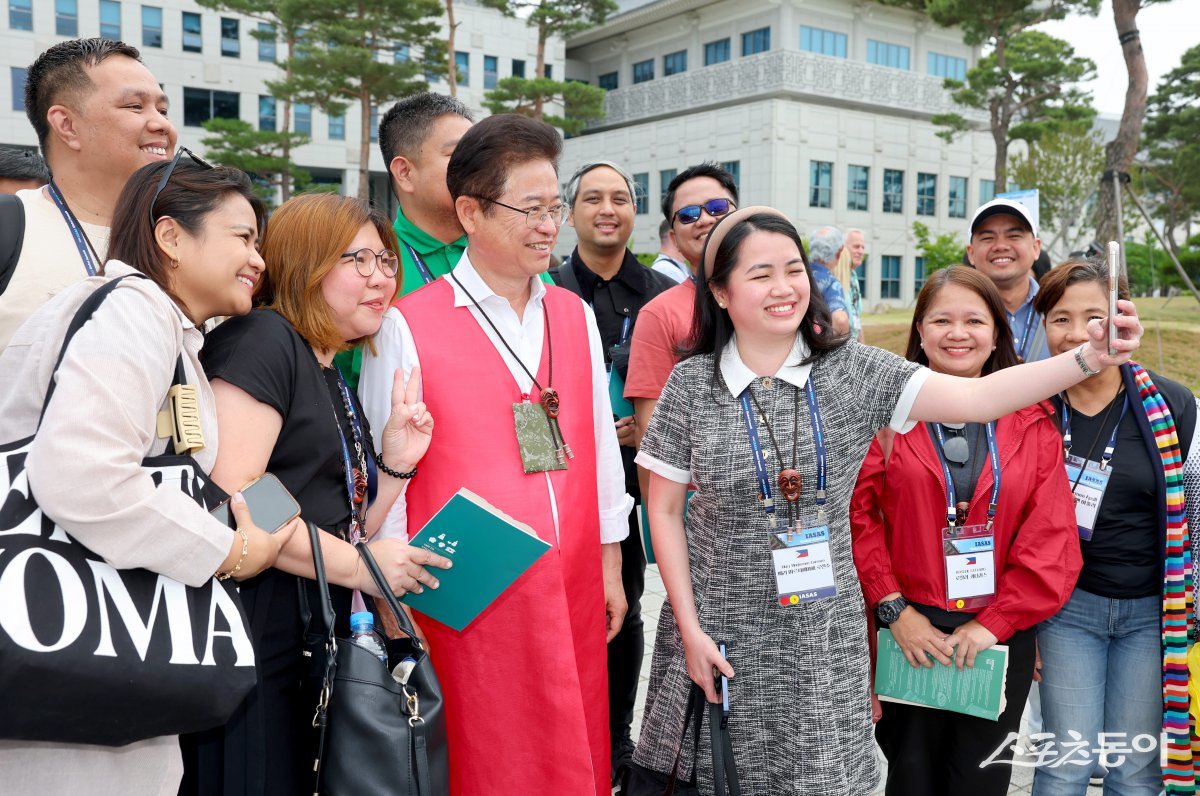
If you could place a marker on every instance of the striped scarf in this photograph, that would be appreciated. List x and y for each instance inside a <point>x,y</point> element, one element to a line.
<point>1179,770</point>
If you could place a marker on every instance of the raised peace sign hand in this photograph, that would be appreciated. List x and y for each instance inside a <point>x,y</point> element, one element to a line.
<point>406,436</point>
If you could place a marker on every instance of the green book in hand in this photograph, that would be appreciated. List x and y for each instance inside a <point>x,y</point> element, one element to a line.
<point>977,691</point>
<point>489,549</point>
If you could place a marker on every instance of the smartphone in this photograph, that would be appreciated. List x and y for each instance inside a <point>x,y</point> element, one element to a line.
<point>271,505</point>
<point>724,683</point>
<point>1114,276</point>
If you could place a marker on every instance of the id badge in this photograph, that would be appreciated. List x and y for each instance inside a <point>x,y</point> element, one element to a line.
<point>803,564</point>
<point>1089,483</point>
<point>969,552</point>
<point>534,440</point>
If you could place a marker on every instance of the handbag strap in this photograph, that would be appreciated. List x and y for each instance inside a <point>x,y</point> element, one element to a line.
<point>386,590</point>
<point>694,715</point>
<point>318,637</point>
<point>724,767</point>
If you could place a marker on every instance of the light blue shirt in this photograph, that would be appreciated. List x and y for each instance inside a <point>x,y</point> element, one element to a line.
<point>830,287</point>
<point>1029,334</point>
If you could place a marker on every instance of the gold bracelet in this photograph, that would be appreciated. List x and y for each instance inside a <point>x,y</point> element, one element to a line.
<point>237,567</point>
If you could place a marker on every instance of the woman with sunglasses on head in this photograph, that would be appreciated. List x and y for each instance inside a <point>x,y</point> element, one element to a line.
<point>1009,534</point>
<point>1114,659</point>
<point>195,242</point>
<point>770,416</point>
<point>283,408</point>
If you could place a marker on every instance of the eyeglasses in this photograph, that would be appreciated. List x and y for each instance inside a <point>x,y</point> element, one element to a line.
<point>955,447</point>
<point>714,207</point>
<point>162,182</point>
<point>365,260</point>
<point>534,216</point>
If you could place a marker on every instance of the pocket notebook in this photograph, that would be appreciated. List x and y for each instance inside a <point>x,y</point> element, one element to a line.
<point>489,549</point>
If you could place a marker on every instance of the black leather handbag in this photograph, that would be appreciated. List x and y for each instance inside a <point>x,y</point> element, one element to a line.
<point>97,655</point>
<point>376,736</point>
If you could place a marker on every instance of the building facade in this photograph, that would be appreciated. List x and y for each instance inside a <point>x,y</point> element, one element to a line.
<point>821,108</point>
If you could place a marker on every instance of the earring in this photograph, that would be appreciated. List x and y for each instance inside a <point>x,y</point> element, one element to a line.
<point>721,304</point>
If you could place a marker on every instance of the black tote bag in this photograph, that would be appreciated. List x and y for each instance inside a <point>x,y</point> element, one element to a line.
<point>97,655</point>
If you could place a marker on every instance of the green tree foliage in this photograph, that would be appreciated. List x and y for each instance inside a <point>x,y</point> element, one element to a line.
<point>1064,166</point>
<point>581,103</point>
<point>1170,165</point>
<point>346,57</point>
<point>259,153</point>
<point>939,252</point>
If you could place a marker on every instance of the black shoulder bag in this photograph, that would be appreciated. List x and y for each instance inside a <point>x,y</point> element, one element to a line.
<point>97,655</point>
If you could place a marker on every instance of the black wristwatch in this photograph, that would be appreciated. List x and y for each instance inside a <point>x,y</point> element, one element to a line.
<point>888,611</point>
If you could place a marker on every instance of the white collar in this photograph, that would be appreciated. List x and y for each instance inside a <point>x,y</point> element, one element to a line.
<point>469,281</point>
<point>738,377</point>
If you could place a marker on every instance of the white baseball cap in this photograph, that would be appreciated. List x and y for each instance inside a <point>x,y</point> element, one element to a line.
<point>1007,207</point>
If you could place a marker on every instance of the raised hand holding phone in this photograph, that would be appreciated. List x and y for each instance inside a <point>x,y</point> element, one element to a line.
<point>1114,276</point>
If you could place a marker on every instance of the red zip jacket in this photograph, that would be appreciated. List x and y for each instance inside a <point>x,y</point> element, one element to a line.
<point>899,509</point>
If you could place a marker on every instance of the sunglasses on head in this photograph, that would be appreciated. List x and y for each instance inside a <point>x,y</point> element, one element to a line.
<point>162,182</point>
<point>714,207</point>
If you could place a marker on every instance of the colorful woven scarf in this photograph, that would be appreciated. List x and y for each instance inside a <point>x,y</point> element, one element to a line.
<point>1179,771</point>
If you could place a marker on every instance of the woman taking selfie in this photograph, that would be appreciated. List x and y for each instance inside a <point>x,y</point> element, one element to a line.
<point>283,408</point>
<point>1116,653</point>
<point>1011,503</point>
<point>193,231</point>
<point>770,416</point>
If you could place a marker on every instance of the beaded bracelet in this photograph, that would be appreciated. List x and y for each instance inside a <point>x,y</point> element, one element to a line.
<point>389,471</point>
<point>238,566</point>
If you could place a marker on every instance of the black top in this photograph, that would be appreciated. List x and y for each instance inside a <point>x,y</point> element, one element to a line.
<point>965,475</point>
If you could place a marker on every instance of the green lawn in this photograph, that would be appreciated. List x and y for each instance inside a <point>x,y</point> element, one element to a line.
<point>1171,345</point>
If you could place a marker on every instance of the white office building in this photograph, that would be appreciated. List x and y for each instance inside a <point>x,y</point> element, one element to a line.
<point>820,108</point>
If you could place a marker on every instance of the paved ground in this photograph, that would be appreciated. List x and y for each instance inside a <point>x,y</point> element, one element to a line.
<point>652,605</point>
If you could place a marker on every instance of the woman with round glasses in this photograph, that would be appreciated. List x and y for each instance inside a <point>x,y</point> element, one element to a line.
<point>283,408</point>
<point>770,417</point>
<point>951,583</point>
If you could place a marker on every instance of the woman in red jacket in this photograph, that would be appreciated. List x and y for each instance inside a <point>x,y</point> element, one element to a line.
<point>926,498</point>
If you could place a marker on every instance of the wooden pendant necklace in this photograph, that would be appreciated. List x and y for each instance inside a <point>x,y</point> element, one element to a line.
<point>789,479</point>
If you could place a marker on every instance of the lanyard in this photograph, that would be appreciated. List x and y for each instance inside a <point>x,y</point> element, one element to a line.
<point>372,475</point>
<point>422,269</point>
<point>86,251</point>
<point>626,326</point>
<point>760,464</point>
<point>1112,440</point>
<point>1026,338</point>
<point>951,497</point>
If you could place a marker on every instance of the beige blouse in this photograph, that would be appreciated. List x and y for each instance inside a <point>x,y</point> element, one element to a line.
<point>84,467</point>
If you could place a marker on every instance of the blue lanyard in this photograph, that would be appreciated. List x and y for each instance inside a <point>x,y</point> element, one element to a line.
<point>626,326</point>
<point>951,498</point>
<point>1110,448</point>
<point>1026,338</point>
<point>760,463</point>
<point>372,474</point>
<point>422,269</point>
<point>86,252</point>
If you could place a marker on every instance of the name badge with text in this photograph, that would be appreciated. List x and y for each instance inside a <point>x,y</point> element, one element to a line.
<point>803,564</point>
<point>1088,482</point>
<point>969,552</point>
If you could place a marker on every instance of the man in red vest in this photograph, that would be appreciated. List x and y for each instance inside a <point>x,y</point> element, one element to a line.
<point>525,683</point>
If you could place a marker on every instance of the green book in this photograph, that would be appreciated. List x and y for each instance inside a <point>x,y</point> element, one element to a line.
<point>644,526</point>
<point>616,394</point>
<point>977,691</point>
<point>489,550</point>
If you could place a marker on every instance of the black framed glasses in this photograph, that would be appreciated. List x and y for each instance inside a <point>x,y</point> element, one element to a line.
<point>180,151</point>
<point>955,447</point>
<point>534,216</point>
<point>365,261</point>
<point>714,207</point>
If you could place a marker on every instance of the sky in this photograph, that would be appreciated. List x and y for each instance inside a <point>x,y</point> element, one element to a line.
<point>1164,40</point>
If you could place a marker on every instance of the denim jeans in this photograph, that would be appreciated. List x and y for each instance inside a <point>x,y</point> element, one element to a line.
<point>1102,673</point>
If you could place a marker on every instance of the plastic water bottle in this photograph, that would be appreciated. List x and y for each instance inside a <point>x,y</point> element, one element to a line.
<point>362,633</point>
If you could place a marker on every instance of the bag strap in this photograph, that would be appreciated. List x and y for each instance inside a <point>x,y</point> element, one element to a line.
<point>12,237</point>
<point>318,637</point>
<point>724,766</point>
<point>386,590</point>
<point>566,276</point>
<point>694,715</point>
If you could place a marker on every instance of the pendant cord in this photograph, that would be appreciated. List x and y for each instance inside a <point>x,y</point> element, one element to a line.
<point>507,347</point>
<point>1099,434</point>
<point>775,444</point>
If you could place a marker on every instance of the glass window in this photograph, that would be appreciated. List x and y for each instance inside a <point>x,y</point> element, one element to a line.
<point>858,182</point>
<point>716,52</point>
<point>110,20</point>
<point>20,14</point>
<point>374,124</point>
<point>885,54</point>
<point>756,41</point>
<point>231,41</point>
<point>825,42</point>
<point>462,68</point>
<point>200,105</point>
<point>674,63</point>
<point>18,74</point>
<point>518,68</point>
<point>266,113</point>
<point>151,26</point>
<point>337,128</point>
<point>947,66</point>
<point>401,53</point>
<point>641,184</point>
<point>193,40</point>
<point>643,71</point>
<point>820,183</point>
<point>893,191</point>
<point>266,42</point>
<point>889,279</point>
<point>608,81</point>
<point>987,191</point>
<point>491,67</point>
<point>303,117</point>
<point>66,17</point>
<point>926,194</point>
<point>958,198</point>
<point>860,275</point>
<point>734,167</point>
<point>918,275</point>
<point>549,70</point>
<point>664,181</point>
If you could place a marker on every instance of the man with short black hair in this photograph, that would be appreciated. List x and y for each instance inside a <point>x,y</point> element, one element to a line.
<point>669,261</point>
<point>100,115</point>
<point>21,170</point>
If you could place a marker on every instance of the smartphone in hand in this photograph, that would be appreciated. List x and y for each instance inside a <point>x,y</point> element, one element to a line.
<point>723,683</point>
<point>1114,276</point>
<point>271,505</point>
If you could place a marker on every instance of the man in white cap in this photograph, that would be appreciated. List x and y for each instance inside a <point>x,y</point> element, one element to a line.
<point>1004,245</point>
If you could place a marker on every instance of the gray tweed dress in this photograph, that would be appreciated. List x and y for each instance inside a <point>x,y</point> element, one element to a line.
<point>800,712</point>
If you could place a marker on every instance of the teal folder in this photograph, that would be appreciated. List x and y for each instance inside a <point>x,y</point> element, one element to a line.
<point>975,692</point>
<point>616,394</point>
<point>489,549</point>
<point>644,526</point>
